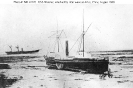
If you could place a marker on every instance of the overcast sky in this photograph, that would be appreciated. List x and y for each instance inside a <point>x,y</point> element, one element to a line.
<point>29,26</point>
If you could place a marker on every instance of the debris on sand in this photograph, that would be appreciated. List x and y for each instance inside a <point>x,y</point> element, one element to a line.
<point>4,66</point>
<point>6,81</point>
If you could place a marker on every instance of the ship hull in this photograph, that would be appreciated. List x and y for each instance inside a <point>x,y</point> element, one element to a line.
<point>89,65</point>
<point>22,52</point>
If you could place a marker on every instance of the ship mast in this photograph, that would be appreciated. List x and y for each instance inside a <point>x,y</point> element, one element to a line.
<point>82,37</point>
<point>83,33</point>
<point>10,48</point>
<point>57,37</point>
<point>58,34</point>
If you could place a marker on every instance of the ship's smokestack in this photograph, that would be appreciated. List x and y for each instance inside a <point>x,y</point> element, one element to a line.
<point>67,50</point>
<point>21,49</point>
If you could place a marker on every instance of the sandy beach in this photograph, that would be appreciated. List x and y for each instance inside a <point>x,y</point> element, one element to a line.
<point>33,73</point>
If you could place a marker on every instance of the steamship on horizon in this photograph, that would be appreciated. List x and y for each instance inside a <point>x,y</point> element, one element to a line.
<point>21,52</point>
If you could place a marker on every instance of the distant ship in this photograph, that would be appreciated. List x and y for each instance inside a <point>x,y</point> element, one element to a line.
<point>21,52</point>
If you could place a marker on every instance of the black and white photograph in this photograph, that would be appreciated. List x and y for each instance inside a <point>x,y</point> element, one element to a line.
<point>66,44</point>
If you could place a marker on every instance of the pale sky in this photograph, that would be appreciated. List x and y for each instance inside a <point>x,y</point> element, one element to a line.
<point>30,25</point>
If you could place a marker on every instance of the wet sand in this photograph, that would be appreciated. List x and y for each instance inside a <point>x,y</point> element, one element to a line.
<point>33,73</point>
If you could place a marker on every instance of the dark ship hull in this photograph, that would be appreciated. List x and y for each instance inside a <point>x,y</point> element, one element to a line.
<point>85,64</point>
<point>22,52</point>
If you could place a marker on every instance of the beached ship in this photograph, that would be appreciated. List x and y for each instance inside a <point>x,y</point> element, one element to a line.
<point>96,65</point>
<point>21,52</point>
